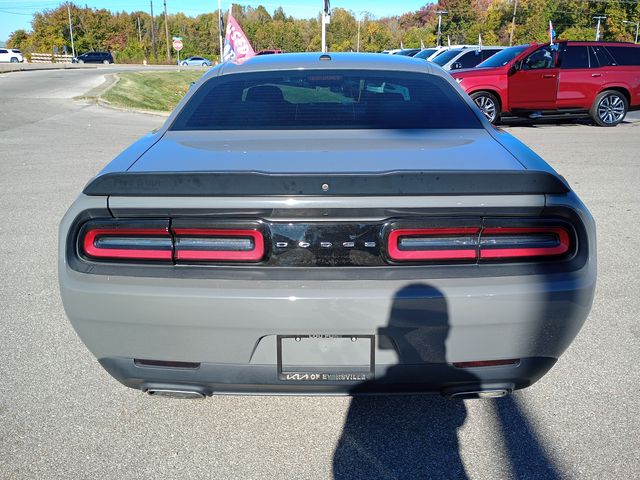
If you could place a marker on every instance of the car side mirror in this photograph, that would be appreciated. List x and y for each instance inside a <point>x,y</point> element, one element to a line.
<point>514,68</point>
<point>456,66</point>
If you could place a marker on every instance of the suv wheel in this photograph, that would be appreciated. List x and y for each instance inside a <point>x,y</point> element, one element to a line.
<point>488,105</point>
<point>106,62</point>
<point>14,59</point>
<point>609,108</point>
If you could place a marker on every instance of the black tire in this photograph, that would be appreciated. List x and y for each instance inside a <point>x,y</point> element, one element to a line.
<point>204,64</point>
<point>14,59</point>
<point>106,62</point>
<point>609,108</point>
<point>488,104</point>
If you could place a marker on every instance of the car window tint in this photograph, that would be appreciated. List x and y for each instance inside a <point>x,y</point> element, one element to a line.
<point>3,51</point>
<point>341,99</point>
<point>603,56</point>
<point>503,57</point>
<point>488,52</point>
<point>425,53</point>
<point>575,57</point>
<point>540,59</point>
<point>470,59</point>
<point>446,56</point>
<point>625,55</point>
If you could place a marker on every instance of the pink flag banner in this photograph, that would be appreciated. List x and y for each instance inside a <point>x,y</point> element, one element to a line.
<point>236,44</point>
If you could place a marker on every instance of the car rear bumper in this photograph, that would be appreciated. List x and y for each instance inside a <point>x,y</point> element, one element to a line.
<point>211,379</point>
<point>421,327</point>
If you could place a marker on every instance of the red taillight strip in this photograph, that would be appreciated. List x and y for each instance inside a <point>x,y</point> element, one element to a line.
<point>446,254</point>
<point>253,255</point>
<point>89,247</point>
<point>564,243</point>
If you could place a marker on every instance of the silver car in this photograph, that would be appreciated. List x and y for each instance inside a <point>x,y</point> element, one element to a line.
<point>327,224</point>
<point>464,57</point>
<point>196,61</point>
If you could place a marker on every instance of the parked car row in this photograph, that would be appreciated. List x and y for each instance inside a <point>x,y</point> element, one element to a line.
<point>601,79</point>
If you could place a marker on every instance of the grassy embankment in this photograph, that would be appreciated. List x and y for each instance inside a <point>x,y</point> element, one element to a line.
<point>159,91</point>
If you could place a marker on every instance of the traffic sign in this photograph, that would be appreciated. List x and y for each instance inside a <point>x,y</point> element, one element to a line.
<point>177,45</point>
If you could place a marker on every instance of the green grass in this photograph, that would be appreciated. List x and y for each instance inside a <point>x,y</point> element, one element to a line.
<point>160,91</point>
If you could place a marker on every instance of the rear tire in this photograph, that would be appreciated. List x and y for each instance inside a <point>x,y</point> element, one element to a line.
<point>609,108</point>
<point>488,104</point>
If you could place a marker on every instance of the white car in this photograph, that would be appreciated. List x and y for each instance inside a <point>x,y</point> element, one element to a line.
<point>11,55</point>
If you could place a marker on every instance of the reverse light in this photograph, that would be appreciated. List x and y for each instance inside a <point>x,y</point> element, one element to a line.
<point>433,244</point>
<point>128,243</point>
<point>204,244</point>
<point>499,243</point>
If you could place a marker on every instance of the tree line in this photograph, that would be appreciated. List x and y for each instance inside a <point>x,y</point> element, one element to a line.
<point>135,36</point>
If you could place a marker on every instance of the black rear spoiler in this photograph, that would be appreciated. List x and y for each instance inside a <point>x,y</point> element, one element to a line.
<point>404,183</point>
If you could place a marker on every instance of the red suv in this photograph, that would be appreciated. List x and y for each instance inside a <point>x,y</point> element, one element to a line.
<point>598,78</point>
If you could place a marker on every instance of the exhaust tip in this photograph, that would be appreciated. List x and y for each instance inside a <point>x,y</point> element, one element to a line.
<point>487,393</point>
<point>173,393</point>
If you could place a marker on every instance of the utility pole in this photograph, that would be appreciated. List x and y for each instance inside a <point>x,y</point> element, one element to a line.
<point>598,17</point>
<point>153,32</point>
<point>513,22</point>
<point>139,31</point>
<point>73,50</point>
<point>440,13</point>
<point>637,24</point>
<point>166,31</point>
<point>359,22</point>
<point>326,18</point>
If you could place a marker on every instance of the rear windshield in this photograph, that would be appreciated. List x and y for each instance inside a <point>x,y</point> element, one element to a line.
<point>325,99</point>
<point>446,56</point>
<point>425,53</point>
<point>503,57</point>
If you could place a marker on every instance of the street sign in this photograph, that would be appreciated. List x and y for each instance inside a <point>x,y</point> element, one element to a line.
<point>177,45</point>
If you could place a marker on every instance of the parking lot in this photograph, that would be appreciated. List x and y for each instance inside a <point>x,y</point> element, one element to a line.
<point>63,416</point>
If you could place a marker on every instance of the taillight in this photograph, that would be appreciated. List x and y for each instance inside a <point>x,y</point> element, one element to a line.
<point>433,244</point>
<point>497,243</point>
<point>204,244</point>
<point>116,242</point>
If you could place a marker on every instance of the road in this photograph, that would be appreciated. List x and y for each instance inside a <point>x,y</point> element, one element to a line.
<point>62,416</point>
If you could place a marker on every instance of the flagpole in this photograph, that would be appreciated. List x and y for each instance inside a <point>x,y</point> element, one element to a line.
<point>220,28</point>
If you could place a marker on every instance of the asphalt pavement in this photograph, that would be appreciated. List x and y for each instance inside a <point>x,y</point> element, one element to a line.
<point>63,416</point>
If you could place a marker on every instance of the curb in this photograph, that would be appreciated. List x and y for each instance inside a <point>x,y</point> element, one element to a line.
<point>34,67</point>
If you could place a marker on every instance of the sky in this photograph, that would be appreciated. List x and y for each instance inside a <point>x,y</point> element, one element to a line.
<point>16,14</point>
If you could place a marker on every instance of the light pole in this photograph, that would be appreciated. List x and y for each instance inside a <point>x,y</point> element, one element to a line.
<point>598,17</point>
<point>637,24</point>
<point>326,18</point>
<point>513,22</point>
<point>440,13</point>
<point>166,31</point>
<point>359,22</point>
<point>73,50</point>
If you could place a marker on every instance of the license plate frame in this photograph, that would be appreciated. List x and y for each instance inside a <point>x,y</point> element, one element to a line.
<point>332,374</point>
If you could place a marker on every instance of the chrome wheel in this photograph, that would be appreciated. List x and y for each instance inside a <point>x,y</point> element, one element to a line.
<point>487,106</point>
<point>611,109</point>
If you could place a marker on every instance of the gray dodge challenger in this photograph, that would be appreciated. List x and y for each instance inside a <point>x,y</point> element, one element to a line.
<point>327,224</point>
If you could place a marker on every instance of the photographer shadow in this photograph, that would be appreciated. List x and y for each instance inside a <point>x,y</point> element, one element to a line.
<point>416,436</point>
<point>406,436</point>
